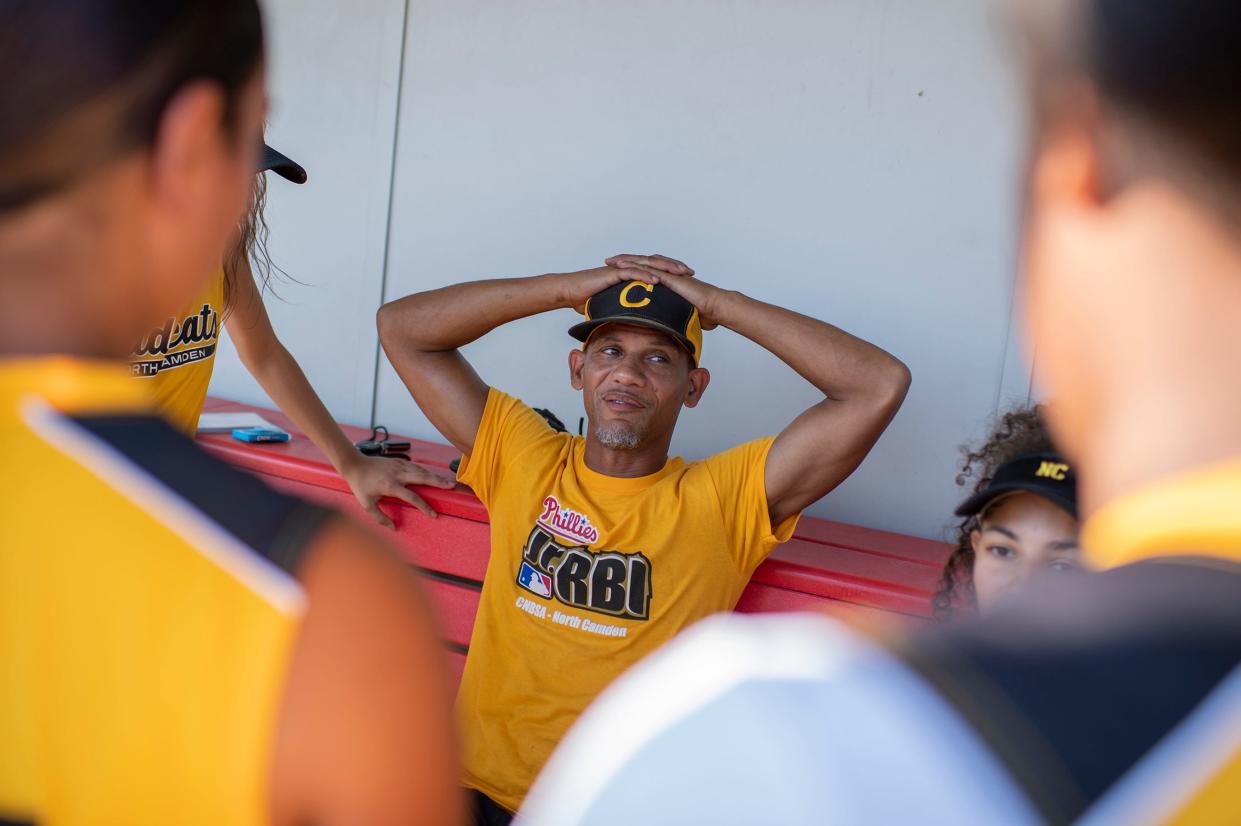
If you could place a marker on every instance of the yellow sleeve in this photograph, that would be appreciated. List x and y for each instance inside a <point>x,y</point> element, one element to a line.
<point>508,434</point>
<point>739,476</point>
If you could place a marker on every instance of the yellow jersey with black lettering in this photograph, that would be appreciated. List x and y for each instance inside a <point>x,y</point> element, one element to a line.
<point>589,573</point>
<point>176,359</point>
<point>148,607</point>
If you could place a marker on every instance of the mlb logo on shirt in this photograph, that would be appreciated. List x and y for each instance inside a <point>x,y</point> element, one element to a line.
<point>534,581</point>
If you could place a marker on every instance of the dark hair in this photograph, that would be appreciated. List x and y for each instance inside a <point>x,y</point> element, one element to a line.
<point>251,246</point>
<point>251,243</point>
<point>1017,433</point>
<point>1170,66</point>
<point>86,81</point>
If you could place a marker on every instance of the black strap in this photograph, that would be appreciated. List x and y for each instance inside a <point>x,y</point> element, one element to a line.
<point>275,526</point>
<point>1074,681</point>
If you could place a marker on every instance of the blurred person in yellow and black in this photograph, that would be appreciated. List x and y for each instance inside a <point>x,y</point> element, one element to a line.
<point>1108,698</point>
<point>178,644</point>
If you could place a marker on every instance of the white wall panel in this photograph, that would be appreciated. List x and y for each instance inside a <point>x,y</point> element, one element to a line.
<point>334,71</point>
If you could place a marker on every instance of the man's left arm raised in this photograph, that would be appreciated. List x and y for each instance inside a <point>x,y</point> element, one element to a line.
<point>863,386</point>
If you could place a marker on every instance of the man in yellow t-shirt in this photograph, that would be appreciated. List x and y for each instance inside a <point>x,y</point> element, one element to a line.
<point>603,547</point>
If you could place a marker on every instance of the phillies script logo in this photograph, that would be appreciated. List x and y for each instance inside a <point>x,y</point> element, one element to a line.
<point>568,524</point>
<point>556,564</point>
<point>188,335</point>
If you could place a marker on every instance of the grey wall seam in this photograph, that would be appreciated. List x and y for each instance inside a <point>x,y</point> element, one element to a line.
<point>1030,385</point>
<point>1012,340</point>
<point>383,270</point>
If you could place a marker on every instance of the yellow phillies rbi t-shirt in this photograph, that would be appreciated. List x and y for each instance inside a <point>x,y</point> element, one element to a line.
<point>176,359</point>
<point>589,573</point>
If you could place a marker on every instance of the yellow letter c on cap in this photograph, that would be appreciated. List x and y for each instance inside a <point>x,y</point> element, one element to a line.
<point>624,296</point>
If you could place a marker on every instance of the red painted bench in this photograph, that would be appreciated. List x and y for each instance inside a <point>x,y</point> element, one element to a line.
<point>857,573</point>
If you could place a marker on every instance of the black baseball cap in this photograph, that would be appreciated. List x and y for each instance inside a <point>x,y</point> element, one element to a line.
<point>282,165</point>
<point>647,305</point>
<point>1045,474</point>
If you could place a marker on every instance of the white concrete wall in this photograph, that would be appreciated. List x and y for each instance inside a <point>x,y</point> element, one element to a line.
<point>334,74</point>
<point>853,159</point>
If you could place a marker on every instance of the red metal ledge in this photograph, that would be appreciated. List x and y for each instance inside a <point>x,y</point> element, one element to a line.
<point>826,562</point>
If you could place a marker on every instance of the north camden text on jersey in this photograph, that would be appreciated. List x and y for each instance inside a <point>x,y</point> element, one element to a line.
<point>202,326</point>
<point>609,582</point>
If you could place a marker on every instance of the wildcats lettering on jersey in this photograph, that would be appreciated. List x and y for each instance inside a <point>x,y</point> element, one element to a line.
<point>203,326</point>
<point>610,582</point>
<point>146,369</point>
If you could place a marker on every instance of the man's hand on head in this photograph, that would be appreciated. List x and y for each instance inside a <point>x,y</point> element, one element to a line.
<point>862,385</point>
<point>678,277</point>
<point>578,287</point>
<point>652,263</point>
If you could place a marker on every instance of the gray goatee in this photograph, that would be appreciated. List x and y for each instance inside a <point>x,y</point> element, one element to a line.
<point>618,438</point>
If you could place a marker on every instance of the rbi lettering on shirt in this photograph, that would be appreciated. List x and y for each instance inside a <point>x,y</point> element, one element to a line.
<point>588,573</point>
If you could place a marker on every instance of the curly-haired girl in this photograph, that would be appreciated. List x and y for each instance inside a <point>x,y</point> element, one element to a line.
<point>1020,519</point>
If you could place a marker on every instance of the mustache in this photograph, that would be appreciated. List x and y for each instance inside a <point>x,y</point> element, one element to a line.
<point>625,395</point>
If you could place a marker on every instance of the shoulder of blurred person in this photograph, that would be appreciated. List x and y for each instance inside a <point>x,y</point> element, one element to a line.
<point>365,733</point>
<point>772,719</point>
<point>305,625</point>
<point>1074,681</point>
<point>1105,695</point>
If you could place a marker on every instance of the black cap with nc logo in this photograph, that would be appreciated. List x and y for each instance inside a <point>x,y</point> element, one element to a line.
<point>1044,474</point>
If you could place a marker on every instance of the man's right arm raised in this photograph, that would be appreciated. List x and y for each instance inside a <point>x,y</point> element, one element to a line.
<point>422,333</point>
